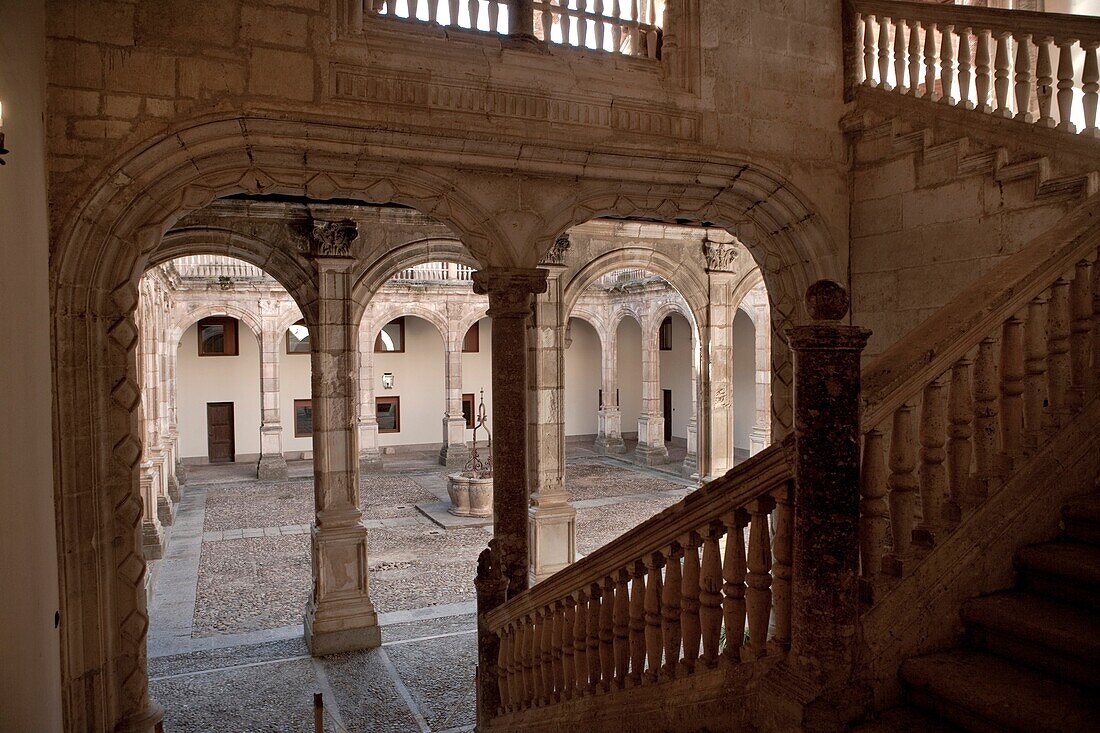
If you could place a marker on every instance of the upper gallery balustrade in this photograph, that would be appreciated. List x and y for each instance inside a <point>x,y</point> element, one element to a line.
<point>436,272</point>
<point>1036,68</point>
<point>628,27</point>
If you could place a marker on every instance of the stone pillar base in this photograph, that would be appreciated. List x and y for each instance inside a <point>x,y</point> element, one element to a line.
<point>553,540</point>
<point>690,469</point>
<point>454,456</point>
<point>174,492</point>
<point>370,462</point>
<point>181,473</point>
<point>271,467</point>
<point>606,446</point>
<point>152,540</point>
<point>650,455</point>
<point>144,722</point>
<point>166,511</point>
<point>340,616</point>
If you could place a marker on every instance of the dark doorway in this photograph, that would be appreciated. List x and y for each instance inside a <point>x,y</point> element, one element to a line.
<point>666,402</point>
<point>219,432</point>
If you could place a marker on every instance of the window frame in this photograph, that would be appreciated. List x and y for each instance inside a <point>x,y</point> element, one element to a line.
<point>664,334</point>
<point>230,335</point>
<point>474,341</point>
<point>309,338</point>
<point>394,400</point>
<point>303,403</point>
<point>471,416</point>
<point>400,320</point>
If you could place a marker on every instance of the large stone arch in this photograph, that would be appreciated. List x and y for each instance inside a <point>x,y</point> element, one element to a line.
<point>666,309</point>
<point>103,244</point>
<point>186,319</point>
<point>397,311</point>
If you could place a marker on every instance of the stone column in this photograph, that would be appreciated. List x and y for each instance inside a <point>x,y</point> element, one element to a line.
<point>651,450</point>
<point>179,470</point>
<point>553,518</point>
<point>609,439</point>
<point>716,378</point>
<point>690,468</point>
<point>152,528</point>
<point>510,291</point>
<point>454,452</point>
<point>370,457</point>
<point>760,436</point>
<point>825,565</point>
<point>272,464</point>
<point>339,615</point>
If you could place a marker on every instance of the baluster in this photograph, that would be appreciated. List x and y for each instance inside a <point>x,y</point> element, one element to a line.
<point>535,649</point>
<point>1080,296</point>
<point>914,57</point>
<point>607,633</point>
<point>1023,78</point>
<point>781,569</point>
<point>884,53</point>
<point>931,57</point>
<point>1065,86</point>
<point>965,70</point>
<point>414,8</point>
<point>547,654</point>
<point>689,600</point>
<point>651,33</point>
<point>933,473</point>
<point>733,589</point>
<point>518,694</point>
<point>504,668</point>
<point>547,21</point>
<point>637,623</point>
<point>557,673</point>
<point>670,610</point>
<point>601,10</point>
<point>355,15</point>
<point>473,7</point>
<point>1035,360</point>
<point>982,78</point>
<point>903,487</point>
<point>869,51</point>
<point>758,595</point>
<point>1044,81</point>
<point>568,666</point>
<point>872,505</point>
<point>1095,377</point>
<point>494,16</point>
<point>900,59</point>
<point>960,412</point>
<point>636,28</point>
<point>580,646</point>
<point>653,642</point>
<point>594,604</point>
<point>616,27</point>
<point>987,471</point>
<point>1090,77</point>
<point>621,629</point>
<point>710,597</point>
<point>1001,82</point>
<point>1057,352</point>
<point>526,671</point>
<point>947,64</point>
<point>1012,387</point>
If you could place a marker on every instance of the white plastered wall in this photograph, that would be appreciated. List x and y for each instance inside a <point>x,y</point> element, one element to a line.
<point>294,384</point>
<point>744,379</point>
<point>582,379</point>
<point>477,374</point>
<point>203,379</point>
<point>418,375</point>
<point>676,374</point>
<point>629,365</point>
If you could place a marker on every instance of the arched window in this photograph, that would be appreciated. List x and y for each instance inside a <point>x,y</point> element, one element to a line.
<point>297,339</point>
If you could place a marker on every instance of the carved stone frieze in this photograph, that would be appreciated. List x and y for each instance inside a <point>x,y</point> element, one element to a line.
<point>556,254</point>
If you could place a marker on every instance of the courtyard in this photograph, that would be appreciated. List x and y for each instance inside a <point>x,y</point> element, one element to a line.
<point>225,642</point>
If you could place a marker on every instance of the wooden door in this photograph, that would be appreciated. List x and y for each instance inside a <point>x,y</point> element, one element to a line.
<point>666,395</point>
<point>219,432</point>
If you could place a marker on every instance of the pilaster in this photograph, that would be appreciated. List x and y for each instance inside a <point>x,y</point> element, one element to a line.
<point>609,438</point>
<point>651,450</point>
<point>152,531</point>
<point>715,431</point>
<point>454,452</point>
<point>272,464</point>
<point>370,457</point>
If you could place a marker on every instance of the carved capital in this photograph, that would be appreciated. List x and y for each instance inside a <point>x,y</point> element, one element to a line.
<point>509,289</point>
<point>329,238</point>
<point>556,254</point>
<point>721,256</point>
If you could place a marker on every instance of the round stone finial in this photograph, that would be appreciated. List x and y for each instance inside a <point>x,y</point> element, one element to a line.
<point>827,300</point>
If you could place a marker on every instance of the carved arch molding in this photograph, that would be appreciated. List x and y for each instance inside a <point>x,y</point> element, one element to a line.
<point>107,238</point>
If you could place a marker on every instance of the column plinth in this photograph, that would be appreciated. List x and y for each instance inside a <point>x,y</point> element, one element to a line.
<point>609,439</point>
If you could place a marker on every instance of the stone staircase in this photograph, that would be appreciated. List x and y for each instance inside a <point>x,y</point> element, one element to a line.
<point>1029,657</point>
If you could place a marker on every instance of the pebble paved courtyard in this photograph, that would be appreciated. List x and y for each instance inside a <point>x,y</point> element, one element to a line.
<point>225,641</point>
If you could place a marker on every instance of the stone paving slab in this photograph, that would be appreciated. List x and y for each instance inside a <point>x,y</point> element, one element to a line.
<point>439,674</point>
<point>367,695</point>
<point>437,512</point>
<point>199,661</point>
<point>412,568</point>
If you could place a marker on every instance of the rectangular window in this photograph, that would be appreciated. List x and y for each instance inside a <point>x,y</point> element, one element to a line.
<point>468,410</point>
<point>303,418</point>
<point>391,337</point>
<point>664,335</point>
<point>387,410</point>
<point>471,344</point>
<point>297,339</point>
<point>218,336</point>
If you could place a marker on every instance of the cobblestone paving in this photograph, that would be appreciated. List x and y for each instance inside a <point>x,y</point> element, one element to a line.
<point>258,504</point>
<point>385,496</point>
<point>253,583</point>
<point>591,480</point>
<point>439,675</point>
<point>599,525</point>
<point>413,567</point>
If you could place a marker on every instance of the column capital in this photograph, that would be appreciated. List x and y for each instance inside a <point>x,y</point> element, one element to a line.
<point>509,289</point>
<point>328,239</point>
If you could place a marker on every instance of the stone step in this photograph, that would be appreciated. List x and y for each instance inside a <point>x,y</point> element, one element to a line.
<point>983,693</point>
<point>1069,571</point>
<point>1082,519</point>
<point>905,720</point>
<point>1039,633</point>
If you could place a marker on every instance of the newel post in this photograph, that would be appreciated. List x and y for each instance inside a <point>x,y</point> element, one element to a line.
<point>825,553</point>
<point>492,589</point>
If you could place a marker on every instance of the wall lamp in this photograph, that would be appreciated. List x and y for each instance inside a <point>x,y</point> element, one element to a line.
<point>3,150</point>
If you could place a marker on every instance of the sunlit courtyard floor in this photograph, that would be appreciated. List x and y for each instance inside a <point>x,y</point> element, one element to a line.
<point>225,642</point>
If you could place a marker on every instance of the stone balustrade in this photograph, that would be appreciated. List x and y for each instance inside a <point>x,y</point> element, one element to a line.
<point>970,394</point>
<point>628,27</point>
<point>702,585</point>
<point>1037,68</point>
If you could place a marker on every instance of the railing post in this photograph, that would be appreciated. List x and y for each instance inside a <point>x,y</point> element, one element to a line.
<point>824,584</point>
<point>491,587</point>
